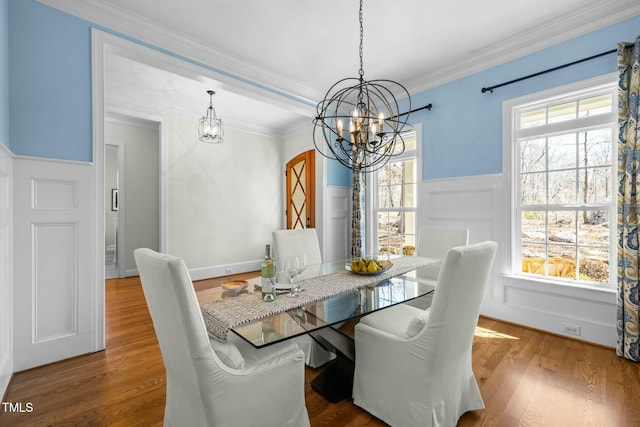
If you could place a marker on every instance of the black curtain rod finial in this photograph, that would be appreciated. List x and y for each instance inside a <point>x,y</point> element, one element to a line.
<point>426,107</point>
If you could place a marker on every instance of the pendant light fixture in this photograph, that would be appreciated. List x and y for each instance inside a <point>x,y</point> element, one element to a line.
<point>360,122</point>
<point>210,128</point>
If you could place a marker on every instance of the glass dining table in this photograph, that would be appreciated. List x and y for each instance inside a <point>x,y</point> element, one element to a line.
<point>331,297</point>
<point>333,310</point>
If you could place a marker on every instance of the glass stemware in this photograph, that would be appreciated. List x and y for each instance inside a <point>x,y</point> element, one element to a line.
<point>291,267</point>
<point>302,265</point>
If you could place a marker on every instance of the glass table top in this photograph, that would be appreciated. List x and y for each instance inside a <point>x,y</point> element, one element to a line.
<point>332,310</point>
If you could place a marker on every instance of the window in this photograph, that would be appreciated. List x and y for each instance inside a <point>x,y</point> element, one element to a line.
<point>562,150</point>
<point>394,192</point>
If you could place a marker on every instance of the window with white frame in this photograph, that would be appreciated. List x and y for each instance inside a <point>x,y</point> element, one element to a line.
<point>394,192</point>
<point>562,150</point>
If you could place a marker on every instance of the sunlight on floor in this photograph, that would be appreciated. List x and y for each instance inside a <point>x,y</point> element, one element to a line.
<point>488,333</point>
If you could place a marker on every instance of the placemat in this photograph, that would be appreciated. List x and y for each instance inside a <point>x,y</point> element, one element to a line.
<point>221,316</point>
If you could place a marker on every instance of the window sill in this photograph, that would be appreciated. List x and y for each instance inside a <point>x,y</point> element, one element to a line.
<point>596,293</point>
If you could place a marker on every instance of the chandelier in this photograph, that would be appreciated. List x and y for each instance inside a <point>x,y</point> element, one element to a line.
<point>210,128</point>
<point>370,109</point>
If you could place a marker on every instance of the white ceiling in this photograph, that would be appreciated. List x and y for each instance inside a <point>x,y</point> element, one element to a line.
<point>299,48</point>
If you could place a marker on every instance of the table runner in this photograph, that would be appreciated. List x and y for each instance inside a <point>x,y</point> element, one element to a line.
<point>221,316</point>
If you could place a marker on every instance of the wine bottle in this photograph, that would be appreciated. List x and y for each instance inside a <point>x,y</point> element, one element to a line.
<point>268,272</point>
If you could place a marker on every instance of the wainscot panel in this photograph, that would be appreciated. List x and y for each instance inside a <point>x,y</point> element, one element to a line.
<point>481,203</point>
<point>54,262</point>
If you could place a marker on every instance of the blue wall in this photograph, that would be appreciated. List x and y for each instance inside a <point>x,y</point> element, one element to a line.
<point>50,90</point>
<point>50,71</point>
<point>4,73</point>
<point>462,134</point>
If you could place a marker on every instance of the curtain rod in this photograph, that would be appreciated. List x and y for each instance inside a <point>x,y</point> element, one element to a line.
<point>426,107</point>
<point>491,88</point>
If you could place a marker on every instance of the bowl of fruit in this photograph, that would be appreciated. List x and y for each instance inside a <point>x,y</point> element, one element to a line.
<point>368,266</point>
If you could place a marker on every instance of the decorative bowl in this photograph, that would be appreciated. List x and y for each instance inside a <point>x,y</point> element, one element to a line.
<point>234,286</point>
<point>383,266</point>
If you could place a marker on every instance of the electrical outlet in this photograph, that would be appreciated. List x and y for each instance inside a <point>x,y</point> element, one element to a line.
<point>570,329</point>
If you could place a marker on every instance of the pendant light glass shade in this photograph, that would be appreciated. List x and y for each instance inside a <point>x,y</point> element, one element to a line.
<point>210,129</point>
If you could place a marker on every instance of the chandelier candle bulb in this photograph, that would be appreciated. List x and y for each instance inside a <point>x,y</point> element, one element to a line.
<point>340,128</point>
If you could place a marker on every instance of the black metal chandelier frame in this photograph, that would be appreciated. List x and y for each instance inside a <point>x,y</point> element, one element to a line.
<point>371,109</point>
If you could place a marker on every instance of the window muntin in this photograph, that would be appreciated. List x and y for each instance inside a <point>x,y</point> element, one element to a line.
<point>561,111</point>
<point>564,175</point>
<point>395,201</point>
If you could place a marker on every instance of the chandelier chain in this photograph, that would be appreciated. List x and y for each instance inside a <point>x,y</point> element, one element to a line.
<point>361,44</point>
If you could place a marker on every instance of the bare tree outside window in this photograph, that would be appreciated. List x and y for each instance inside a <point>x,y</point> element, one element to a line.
<point>565,172</point>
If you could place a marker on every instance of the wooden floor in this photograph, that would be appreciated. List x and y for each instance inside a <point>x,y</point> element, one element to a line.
<point>527,378</point>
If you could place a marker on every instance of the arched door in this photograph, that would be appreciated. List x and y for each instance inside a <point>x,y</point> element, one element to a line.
<point>301,194</point>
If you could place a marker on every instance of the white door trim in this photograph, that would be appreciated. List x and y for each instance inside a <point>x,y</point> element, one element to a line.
<point>97,86</point>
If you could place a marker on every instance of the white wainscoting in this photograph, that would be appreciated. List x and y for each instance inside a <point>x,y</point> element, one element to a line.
<point>6,269</point>
<point>54,261</point>
<point>481,203</point>
<point>473,203</point>
<point>336,233</point>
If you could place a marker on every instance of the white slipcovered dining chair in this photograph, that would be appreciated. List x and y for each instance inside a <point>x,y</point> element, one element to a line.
<point>413,367</point>
<point>302,241</point>
<point>435,242</point>
<point>209,382</point>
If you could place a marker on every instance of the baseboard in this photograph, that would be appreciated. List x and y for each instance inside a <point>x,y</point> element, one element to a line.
<point>224,270</point>
<point>213,271</point>
<point>543,331</point>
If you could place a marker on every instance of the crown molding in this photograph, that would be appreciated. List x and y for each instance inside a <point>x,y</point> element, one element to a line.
<point>121,112</point>
<point>591,18</point>
<point>127,120</point>
<point>554,32</point>
<point>169,41</point>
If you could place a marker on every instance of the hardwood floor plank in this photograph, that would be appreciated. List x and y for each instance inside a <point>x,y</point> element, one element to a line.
<point>527,378</point>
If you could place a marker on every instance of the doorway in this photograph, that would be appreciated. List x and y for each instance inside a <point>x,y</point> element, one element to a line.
<point>114,240</point>
<point>132,198</point>
<point>301,191</point>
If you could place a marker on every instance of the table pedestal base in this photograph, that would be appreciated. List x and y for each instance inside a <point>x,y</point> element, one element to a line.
<point>335,382</point>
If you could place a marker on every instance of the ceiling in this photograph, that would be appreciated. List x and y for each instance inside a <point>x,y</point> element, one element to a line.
<point>274,60</point>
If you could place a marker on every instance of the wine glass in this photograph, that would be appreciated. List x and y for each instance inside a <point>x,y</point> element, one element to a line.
<point>302,265</point>
<point>291,267</point>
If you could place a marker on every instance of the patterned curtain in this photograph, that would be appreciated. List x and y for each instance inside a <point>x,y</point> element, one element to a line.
<point>357,214</point>
<point>628,200</point>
